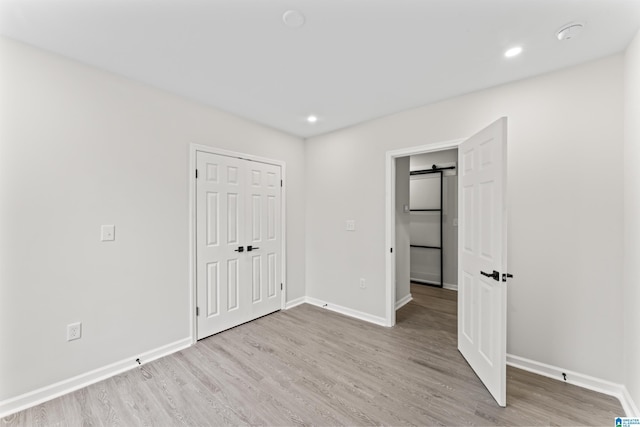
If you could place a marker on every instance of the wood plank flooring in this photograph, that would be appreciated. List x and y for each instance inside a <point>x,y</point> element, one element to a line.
<point>310,366</point>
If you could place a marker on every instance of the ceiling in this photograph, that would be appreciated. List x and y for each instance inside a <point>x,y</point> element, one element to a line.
<point>351,61</point>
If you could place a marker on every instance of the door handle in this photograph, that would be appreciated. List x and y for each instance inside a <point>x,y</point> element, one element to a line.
<point>495,275</point>
<point>505,276</point>
<point>250,248</point>
<point>240,249</point>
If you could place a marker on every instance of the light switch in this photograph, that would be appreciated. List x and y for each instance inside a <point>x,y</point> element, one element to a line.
<point>108,233</point>
<point>350,225</point>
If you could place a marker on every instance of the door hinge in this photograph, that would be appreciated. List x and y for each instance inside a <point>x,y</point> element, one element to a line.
<point>280,286</point>
<point>196,173</point>
<point>197,311</point>
<point>391,250</point>
<point>280,183</point>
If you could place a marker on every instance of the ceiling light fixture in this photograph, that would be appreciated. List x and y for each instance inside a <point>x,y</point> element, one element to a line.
<point>293,19</point>
<point>569,31</point>
<point>312,119</point>
<point>514,51</point>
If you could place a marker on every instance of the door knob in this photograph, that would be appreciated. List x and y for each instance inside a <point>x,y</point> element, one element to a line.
<point>495,275</point>
<point>240,249</point>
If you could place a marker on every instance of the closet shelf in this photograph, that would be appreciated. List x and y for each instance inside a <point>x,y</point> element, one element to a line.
<point>425,210</point>
<point>425,247</point>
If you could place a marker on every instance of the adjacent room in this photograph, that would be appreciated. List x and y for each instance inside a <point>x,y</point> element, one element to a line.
<point>319,212</point>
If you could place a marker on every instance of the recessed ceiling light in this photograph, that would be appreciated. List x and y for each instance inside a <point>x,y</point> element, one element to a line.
<point>312,119</point>
<point>569,31</point>
<point>514,51</point>
<point>293,19</point>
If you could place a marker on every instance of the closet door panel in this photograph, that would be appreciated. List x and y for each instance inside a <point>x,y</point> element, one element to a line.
<point>238,241</point>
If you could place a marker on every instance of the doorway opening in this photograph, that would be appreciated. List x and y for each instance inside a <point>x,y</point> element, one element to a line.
<point>426,244</point>
<point>398,227</point>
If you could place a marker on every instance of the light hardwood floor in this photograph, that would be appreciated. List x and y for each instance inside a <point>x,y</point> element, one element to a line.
<point>310,366</point>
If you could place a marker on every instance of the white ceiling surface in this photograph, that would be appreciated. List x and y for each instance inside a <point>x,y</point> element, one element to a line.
<point>352,61</point>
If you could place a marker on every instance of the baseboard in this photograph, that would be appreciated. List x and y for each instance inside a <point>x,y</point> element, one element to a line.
<point>630,407</point>
<point>347,311</point>
<point>294,302</point>
<point>449,286</point>
<point>591,383</point>
<point>404,301</point>
<point>36,397</point>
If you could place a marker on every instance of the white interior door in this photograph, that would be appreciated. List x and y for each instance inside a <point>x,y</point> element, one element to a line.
<point>264,250</point>
<point>482,300</point>
<point>238,241</point>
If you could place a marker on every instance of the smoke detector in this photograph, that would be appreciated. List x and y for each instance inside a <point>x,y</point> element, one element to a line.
<point>569,31</point>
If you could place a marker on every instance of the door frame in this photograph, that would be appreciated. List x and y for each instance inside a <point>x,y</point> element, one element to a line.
<point>193,149</point>
<point>390,223</point>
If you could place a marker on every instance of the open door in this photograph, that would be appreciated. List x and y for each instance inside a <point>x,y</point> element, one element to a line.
<point>482,256</point>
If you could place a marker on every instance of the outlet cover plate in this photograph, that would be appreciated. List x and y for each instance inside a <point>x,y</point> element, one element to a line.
<point>74,331</point>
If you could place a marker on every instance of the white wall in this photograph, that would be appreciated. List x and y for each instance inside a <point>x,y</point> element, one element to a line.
<point>564,194</point>
<point>631,309</point>
<point>403,286</point>
<point>425,226</point>
<point>80,148</point>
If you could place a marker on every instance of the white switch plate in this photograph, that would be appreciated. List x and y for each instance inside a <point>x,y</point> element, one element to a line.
<point>108,233</point>
<point>350,225</point>
<point>74,331</point>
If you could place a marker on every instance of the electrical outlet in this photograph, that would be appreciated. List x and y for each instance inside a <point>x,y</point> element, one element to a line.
<point>74,331</point>
<point>363,283</point>
<point>350,225</point>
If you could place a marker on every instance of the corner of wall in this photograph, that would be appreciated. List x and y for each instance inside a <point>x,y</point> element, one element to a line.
<point>631,223</point>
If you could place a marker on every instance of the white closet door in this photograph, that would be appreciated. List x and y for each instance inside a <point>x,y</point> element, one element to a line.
<point>263,237</point>
<point>482,299</point>
<point>237,206</point>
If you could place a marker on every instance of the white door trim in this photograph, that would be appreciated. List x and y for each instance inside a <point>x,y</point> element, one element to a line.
<point>390,224</point>
<point>193,149</point>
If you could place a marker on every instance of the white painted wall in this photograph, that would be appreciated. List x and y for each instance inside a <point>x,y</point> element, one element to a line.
<point>564,199</point>
<point>425,226</point>
<point>631,308</point>
<point>403,288</point>
<point>79,148</point>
